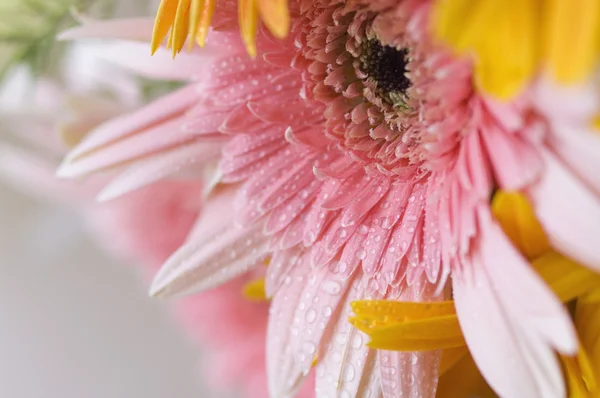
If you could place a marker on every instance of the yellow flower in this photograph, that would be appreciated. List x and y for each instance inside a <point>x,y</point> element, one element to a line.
<point>255,290</point>
<point>191,19</point>
<point>511,40</point>
<point>404,326</point>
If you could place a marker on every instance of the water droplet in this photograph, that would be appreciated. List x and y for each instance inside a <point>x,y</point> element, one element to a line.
<point>360,254</point>
<point>331,287</point>
<point>414,358</point>
<point>349,373</point>
<point>310,315</point>
<point>357,341</point>
<point>309,348</point>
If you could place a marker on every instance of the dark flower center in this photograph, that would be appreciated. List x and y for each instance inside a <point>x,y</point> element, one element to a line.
<point>387,66</point>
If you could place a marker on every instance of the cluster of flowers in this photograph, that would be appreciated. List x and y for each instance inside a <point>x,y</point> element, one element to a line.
<point>412,184</point>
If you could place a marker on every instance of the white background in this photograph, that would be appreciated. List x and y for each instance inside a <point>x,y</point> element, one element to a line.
<point>73,323</point>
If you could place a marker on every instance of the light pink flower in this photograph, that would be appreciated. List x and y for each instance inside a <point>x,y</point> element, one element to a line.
<point>359,183</point>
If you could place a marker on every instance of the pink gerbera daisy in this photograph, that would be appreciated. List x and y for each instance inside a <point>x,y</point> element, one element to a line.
<point>359,157</point>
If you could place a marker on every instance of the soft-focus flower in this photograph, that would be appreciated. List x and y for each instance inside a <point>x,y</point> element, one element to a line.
<point>358,157</point>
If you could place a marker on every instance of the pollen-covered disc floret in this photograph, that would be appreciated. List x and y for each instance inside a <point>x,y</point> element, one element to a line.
<point>393,90</point>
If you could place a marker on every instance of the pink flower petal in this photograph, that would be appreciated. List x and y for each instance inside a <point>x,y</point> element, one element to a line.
<point>569,213</point>
<point>161,166</point>
<point>579,149</point>
<point>284,374</point>
<point>511,320</point>
<point>215,252</point>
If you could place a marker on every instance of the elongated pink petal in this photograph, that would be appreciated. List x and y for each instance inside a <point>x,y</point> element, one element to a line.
<point>216,251</point>
<point>284,375</point>
<point>346,366</point>
<point>160,111</point>
<point>313,316</point>
<point>511,339</point>
<point>578,149</point>
<point>569,213</point>
<point>148,171</point>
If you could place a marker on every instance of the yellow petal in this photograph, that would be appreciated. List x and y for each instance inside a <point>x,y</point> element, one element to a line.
<point>580,375</point>
<point>181,26</point>
<point>192,18</point>
<point>196,8</point>
<point>596,124</point>
<point>276,16</point>
<point>515,214</point>
<point>408,326</point>
<point>502,36</point>
<point>572,38</point>
<point>587,322</point>
<point>463,380</point>
<point>255,290</point>
<point>248,16</point>
<point>387,311</point>
<point>163,22</point>
<point>205,17</point>
<point>421,335</point>
<point>451,356</point>
<point>567,278</point>
<point>592,296</point>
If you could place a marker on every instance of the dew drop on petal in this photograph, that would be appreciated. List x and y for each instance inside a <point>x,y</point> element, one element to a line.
<point>310,315</point>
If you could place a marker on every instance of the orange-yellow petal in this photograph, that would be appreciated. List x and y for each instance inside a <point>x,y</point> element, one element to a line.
<point>567,278</point>
<point>502,36</point>
<point>408,326</point>
<point>191,19</point>
<point>276,16</point>
<point>451,356</point>
<point>248,16</point>
<point>180,26</point>
<point>572,38</point>
<point>387,312</point>
<point>205,10</point>
<point>255,290</point>
<point>463,380</point>
<point>580,375</point>
<point>587,322</point>
<point>515,214</point>
<point>165,16</point>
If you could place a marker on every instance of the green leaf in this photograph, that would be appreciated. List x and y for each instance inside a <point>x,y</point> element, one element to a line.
<point>28,29</point>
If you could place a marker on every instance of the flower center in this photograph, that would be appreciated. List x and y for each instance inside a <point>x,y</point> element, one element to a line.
<point>388,67</point>
<point>392,100</point>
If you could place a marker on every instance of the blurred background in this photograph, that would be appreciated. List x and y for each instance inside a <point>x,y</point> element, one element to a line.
<point>74,322</point>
